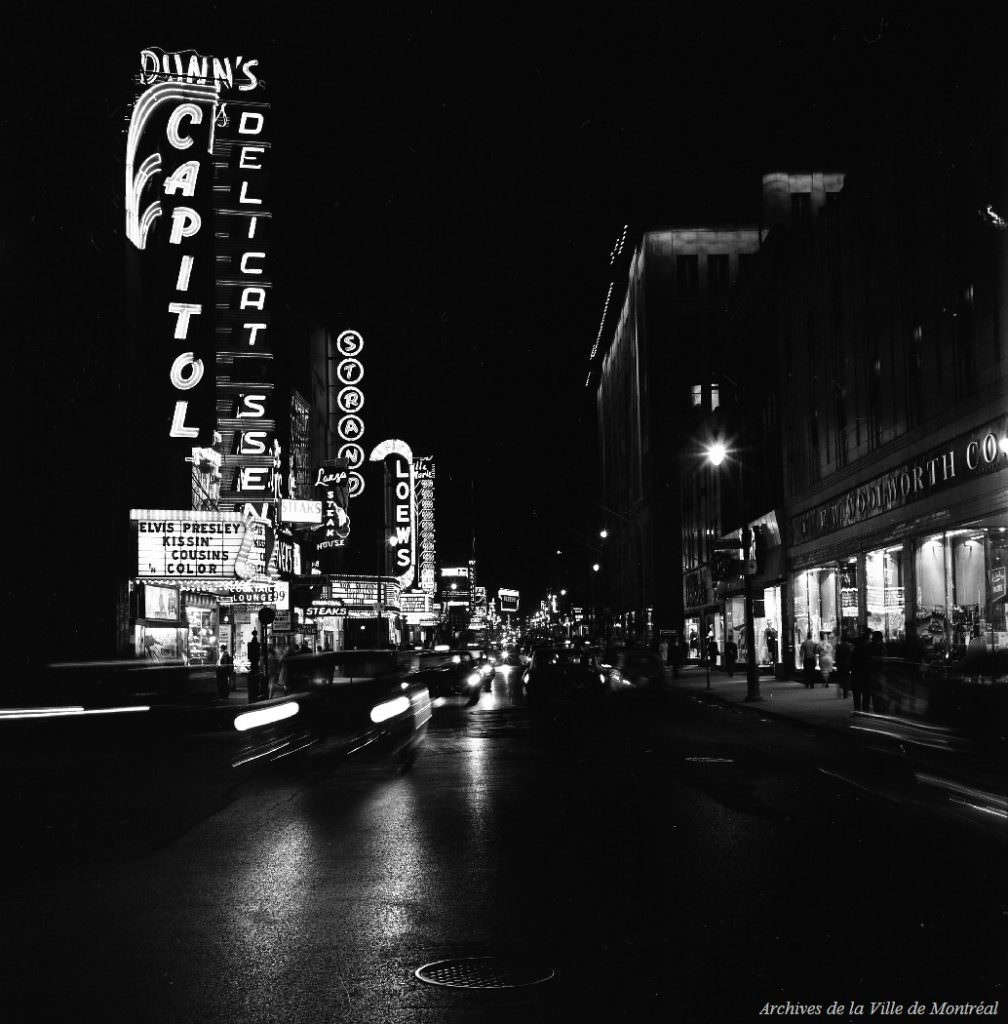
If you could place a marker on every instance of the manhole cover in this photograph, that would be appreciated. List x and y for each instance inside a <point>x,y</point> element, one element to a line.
<point>483,972</point>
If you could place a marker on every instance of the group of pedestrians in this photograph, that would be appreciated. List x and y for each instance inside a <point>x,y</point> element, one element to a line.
<point>267,674</point>
<point>854,667</point>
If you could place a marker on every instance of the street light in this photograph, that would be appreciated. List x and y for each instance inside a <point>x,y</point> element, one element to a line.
<point>716,454</point>
<point>603,534</point>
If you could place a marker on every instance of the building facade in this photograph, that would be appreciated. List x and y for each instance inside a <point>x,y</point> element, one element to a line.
<point>652,346</point>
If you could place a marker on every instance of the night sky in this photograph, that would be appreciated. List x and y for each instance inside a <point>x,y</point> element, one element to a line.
<point>450,183</point>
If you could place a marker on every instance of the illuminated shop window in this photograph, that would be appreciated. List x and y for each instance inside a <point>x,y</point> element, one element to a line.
<point>815,606</point>
<point>960,579</point>
<point>884,593</point>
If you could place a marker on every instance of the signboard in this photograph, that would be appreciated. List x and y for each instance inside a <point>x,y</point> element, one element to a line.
<point>508,601</point>
<point>299,510</point>
<point>160,603</point>
<point>350,428</point>
<point>247,413</point>
<point>168,204</point>
<point>964,458</point>
<point>423,475</point>
<point>996,578</point>
<point>400,509</point>
<point>282,622</point>
<point>332,487</point>
<point>299,454</point>
<point>199,545</point>
<point>414,603</point>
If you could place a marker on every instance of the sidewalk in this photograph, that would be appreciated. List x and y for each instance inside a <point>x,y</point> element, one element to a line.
<point>934,746</point>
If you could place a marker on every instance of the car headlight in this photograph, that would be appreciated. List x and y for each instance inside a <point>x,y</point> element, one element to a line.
<point>474,679</point>
<point>486,669</point>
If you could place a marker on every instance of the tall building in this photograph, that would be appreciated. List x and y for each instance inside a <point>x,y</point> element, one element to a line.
<point>655,347</point>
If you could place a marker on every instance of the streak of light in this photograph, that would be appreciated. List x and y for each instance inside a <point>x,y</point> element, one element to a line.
<point>264,716</point>
<point>13,714</point>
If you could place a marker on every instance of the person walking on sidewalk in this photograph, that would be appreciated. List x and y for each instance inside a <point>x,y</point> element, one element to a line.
<point>825,651</point>
<point>712,651</point>
<point>730,655</point>
<point>808,652</point>
<point>876,654</point>
<point>844,655</point>
<point>859,673</point>
<point>253,672</point>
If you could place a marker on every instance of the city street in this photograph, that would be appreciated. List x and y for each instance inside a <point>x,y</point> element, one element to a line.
<point>663,859</point>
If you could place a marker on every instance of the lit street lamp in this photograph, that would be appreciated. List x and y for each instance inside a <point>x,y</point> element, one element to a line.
<point>716,454</point>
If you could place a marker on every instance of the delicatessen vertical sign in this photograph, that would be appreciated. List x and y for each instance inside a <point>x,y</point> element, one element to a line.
<point>246,345</point>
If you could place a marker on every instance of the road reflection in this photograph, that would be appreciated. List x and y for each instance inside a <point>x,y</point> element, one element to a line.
<point>505,690</point>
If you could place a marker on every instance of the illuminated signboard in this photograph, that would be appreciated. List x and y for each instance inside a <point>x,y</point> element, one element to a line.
<point>296,510</point>
<point>299,456</point>
<point>423,474</point>
<point>460,573</point>
<point>508,601</point>
<point>400,509</point>
<point>332,487</point>
<point>413,603</point>
<point>160,603</point>
<point>350,400</point>
<point>246,345</point>
<point>199,545</point>
<point>168,193</point>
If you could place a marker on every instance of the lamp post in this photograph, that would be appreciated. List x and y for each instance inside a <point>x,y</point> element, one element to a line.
<point>716,454</point>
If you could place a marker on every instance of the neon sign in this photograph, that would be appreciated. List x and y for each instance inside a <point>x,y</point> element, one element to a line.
<point>175,121</point>
<point>400,509</point>
<point>423,474</point>
<point>350,372</point>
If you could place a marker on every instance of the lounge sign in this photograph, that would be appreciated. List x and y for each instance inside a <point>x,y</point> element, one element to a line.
<point>970,455</point>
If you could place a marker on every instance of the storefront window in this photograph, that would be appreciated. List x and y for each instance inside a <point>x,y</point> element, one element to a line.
<point>960,590</point>
<point>815,606</point>
<point>768,627</point>
<point>735,624</point>
<point>849,598</point>
<point>203,646</point>
<point>884,590</point>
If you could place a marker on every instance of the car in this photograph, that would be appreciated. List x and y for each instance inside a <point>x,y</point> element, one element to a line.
<point>456,675</point>
<point>559,673</point>
<point>633,668</point>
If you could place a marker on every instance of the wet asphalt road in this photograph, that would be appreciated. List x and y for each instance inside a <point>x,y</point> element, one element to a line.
<point>669,860</point>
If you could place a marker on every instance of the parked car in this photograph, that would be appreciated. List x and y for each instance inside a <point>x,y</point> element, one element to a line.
<point>557,674</point>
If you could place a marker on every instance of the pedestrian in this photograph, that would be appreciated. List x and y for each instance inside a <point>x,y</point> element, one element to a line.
<point>825,651</point>
<point>273,667</point>
<point>663,652</point>
<point>304,648</point>
<point>844,661</point>
<point>286,676</point>
<point>694,644</point>
<point>876,668</point>
<point>678,656</point>
<point>730,655</point>
<point>712,651</point>
<point>771,645</point>
<point>253,650</point>
<point>859,673</point>
<point>224,670</point>
<point>808,652</point>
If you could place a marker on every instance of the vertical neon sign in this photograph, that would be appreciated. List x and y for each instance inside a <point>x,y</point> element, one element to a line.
<point>350,401</point>
<point>168,142</point>
<point>246,418</point>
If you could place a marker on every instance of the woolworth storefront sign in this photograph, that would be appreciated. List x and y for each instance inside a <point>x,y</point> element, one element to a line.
<point>970,455</point>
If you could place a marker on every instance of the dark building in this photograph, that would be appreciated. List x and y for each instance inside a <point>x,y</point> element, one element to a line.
<point>654,352</point>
